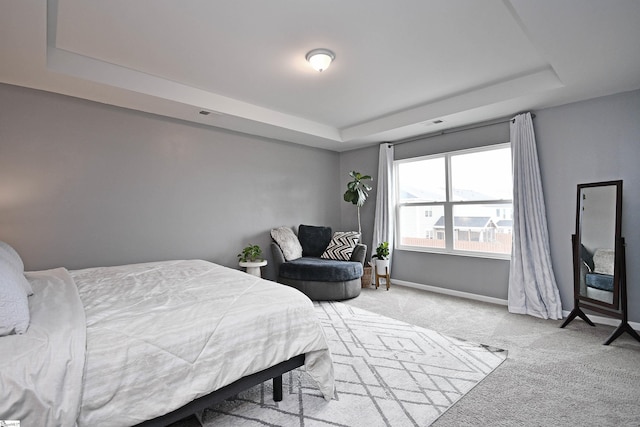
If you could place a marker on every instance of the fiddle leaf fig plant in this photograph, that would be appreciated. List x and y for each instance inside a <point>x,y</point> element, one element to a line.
<point>357,192</point>
<point>250,253</point>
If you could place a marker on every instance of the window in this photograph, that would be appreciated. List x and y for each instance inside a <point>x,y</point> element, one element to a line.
<point>457,202</point>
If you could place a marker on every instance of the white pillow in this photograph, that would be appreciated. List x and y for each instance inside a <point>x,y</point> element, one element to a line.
<point>341,245</point>
<point>11,257</point>
<point>14,305</point>
<point>603,260</point>
<point>10,254</point>
<point>288,242</point>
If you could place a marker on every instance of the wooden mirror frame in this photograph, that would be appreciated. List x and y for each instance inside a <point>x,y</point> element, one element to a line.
<point>617,247</point>
<point>618,307</point>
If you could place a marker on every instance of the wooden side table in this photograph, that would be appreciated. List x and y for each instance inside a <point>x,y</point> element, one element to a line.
<point>253,268</point>
<point>386,276</point>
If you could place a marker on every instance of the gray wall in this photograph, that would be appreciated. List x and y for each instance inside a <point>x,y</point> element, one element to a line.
<point>84,184</point>
<point>590,141</point>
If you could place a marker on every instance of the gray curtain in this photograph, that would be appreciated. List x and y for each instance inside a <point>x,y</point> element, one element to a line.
<point>385,199</point>
<point>532,284</point>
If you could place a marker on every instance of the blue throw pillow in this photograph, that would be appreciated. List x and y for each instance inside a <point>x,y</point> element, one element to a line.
<point>314,239</point>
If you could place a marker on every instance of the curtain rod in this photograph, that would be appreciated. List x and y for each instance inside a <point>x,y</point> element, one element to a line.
<point>454,130</point>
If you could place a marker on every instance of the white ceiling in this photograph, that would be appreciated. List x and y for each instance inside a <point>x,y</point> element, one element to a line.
<point>399,65</point>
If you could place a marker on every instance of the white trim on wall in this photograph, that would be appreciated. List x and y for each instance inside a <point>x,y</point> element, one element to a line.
<point>451,292</point>
<point>601,320</point>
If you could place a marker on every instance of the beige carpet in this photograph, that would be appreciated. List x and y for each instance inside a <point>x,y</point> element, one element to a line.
<point>552,377</point>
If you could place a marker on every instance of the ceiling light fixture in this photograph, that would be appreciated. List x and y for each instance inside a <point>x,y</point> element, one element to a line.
<point>320,59</point>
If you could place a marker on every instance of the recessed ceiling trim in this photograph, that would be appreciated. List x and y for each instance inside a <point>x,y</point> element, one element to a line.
<point>509,88</point>
<point>92,69</point>
<point>591,50</point>
<point>98,71</point>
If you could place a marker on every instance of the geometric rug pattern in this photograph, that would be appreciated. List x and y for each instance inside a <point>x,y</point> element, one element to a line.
<point>388,373</point>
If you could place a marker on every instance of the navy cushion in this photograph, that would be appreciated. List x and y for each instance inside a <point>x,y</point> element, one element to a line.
<point>320,270</point>
<point>314,239</point>
<point>600,281</point>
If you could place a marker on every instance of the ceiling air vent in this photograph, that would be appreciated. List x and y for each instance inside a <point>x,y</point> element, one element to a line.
<point>209,112</point>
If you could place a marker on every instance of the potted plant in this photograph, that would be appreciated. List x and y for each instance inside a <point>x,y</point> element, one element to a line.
<point>382,257</point>
<point>357,192</point>
<point>250,258</point>
<point>250,253</point>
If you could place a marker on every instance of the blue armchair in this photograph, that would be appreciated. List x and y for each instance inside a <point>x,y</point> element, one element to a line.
<point>319,278</point>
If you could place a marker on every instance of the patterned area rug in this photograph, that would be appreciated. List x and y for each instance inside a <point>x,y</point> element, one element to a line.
<point>388,373</point>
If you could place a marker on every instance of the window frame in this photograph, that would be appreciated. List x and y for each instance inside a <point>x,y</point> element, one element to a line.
<point>448,205</point>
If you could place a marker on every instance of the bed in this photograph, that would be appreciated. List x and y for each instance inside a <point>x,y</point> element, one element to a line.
<point>119,346</point>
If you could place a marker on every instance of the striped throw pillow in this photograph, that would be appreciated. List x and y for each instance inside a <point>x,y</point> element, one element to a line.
<point>341,245</point>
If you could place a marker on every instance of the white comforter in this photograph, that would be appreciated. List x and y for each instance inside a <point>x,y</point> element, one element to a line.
<point>41,370</point>
<point>159,335</point>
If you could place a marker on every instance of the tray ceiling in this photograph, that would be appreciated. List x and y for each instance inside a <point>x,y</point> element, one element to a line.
<point>399,66</point>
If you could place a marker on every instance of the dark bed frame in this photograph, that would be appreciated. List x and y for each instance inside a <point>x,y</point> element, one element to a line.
<point>275,372</point>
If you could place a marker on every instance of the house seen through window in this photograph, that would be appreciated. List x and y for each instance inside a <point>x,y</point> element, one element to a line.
<point>456,202</point>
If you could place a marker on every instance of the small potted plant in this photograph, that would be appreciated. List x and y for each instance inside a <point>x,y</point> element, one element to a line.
<point>250,253</point>
<point>382,257</point>
<point>250,258</point>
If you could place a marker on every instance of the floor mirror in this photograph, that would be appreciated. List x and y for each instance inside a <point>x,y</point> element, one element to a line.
<point>599,269</point>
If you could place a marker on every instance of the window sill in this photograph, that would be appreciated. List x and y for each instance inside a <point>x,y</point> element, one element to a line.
<point>486,255</point>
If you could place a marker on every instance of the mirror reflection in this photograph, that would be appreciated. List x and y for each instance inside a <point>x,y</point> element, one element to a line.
<point>597,242</point>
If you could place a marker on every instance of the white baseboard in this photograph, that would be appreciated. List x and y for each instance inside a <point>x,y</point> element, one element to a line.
<point>601,320</point>
<point>451,292</point>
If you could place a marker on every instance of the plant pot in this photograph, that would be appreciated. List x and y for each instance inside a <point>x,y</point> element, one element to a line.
<point>381,266</point>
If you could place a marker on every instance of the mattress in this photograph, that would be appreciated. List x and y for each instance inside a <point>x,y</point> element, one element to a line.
<point>159,335</point>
